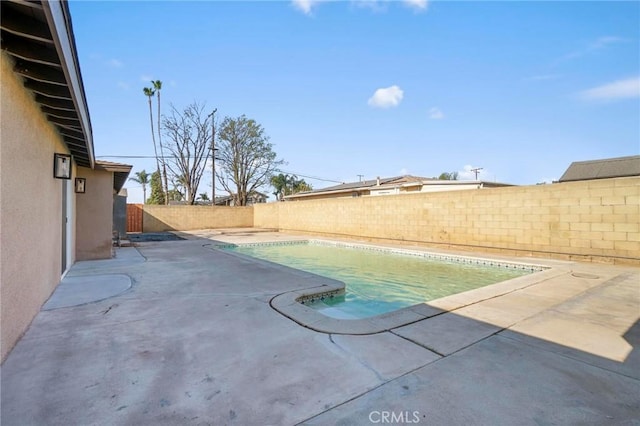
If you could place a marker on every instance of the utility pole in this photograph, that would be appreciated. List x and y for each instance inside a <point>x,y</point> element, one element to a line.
<point>476,170</point>
<point>360,178</point>
<point>213,157</point>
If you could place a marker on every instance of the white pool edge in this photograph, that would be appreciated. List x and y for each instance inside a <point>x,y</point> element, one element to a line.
<point>289,303</point>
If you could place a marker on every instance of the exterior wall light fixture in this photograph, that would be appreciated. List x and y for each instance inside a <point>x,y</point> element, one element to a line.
<point>61,166</point>
<point>80,185</point>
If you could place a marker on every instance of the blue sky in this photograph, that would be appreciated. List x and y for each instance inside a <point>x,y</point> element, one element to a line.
<point>375,88</point>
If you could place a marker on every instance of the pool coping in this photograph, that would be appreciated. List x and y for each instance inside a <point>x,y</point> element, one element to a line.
<point>288,303</point>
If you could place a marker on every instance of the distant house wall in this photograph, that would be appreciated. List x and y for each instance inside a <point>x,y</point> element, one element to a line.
<point>588,220</point>
<point>333,195</point>
<point>94,222</point>
<point>31,205</point>
<point>437,186</point>
<point>459,186</point>
<point>400,189</point>
<point>185,218</point>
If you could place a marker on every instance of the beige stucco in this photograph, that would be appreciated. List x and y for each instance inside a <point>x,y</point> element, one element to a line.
<point>94,221</point>
<point>31,206</point>
<point>587,220</point>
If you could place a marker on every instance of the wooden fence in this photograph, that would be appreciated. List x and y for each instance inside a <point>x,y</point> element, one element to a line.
<point>134,217</point>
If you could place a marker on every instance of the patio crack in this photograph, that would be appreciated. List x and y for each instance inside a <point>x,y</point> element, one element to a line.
<point>358,359</point>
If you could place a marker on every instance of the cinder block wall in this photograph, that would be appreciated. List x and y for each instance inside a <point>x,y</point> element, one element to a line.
<point>186,218</point>
<point>589,220</point>
<point>267,215</point>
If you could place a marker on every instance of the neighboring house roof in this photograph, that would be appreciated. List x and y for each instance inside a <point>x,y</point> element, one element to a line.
<point>602,169</point>
<point>370,183</point>
<point>386,183</point>
<point>359,186</point>
<point>120,172</point>
<point>39,37</point>
<point>227,198</point>
<point>223,200</point>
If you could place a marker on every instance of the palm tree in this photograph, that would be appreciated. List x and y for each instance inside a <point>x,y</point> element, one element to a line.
<point>299,185</point>
<point>279,183</point>
<point>181,188</point>
<point>142,177</point>
<point>149,93</point>
<point>285,184</point>
<point>157,87</point>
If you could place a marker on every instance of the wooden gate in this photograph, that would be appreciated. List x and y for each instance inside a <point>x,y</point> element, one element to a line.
<point>134,217</point>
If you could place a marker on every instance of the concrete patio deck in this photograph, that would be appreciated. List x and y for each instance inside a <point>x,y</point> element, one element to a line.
<point>195,340</point>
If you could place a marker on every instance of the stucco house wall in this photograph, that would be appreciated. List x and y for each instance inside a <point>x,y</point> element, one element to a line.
<point>94,222</point>
<point>43,112</point>
<point>31,206</point>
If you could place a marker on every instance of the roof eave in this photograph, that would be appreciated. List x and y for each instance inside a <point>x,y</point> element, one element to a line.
<point>56,13</point>
<point>338,191</point>
<point>120,172</point>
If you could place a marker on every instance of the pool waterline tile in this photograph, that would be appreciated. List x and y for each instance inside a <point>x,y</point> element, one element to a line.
<point>288,304</point>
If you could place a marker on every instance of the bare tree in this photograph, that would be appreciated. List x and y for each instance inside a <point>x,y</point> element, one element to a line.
<point>247,160</point>
<point>188,138</point>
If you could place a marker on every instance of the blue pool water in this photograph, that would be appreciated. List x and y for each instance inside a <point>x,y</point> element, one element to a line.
<point>378,281</point>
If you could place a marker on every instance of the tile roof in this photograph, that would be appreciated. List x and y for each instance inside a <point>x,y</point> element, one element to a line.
<point>602,169</point>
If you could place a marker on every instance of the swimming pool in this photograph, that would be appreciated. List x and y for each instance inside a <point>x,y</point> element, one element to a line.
<point>379,280</point>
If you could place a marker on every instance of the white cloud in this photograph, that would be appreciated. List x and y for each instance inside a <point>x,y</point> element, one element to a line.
<point>403,171</point>
<point>621,89</point>
<point>305,6</point>
<point>115,63</point>
<point>598,44</point>
<point>543,77</point>
<point>123,85</point>
<point>373,5</point>
<point>435,113</point>
<point>146,78</point>
<point>604,41</point>
<point>386,97</point>
<point>417,5</point>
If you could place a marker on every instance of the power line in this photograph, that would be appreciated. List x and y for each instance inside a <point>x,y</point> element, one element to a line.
<point>310,177</point>
<point>173,156</point>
